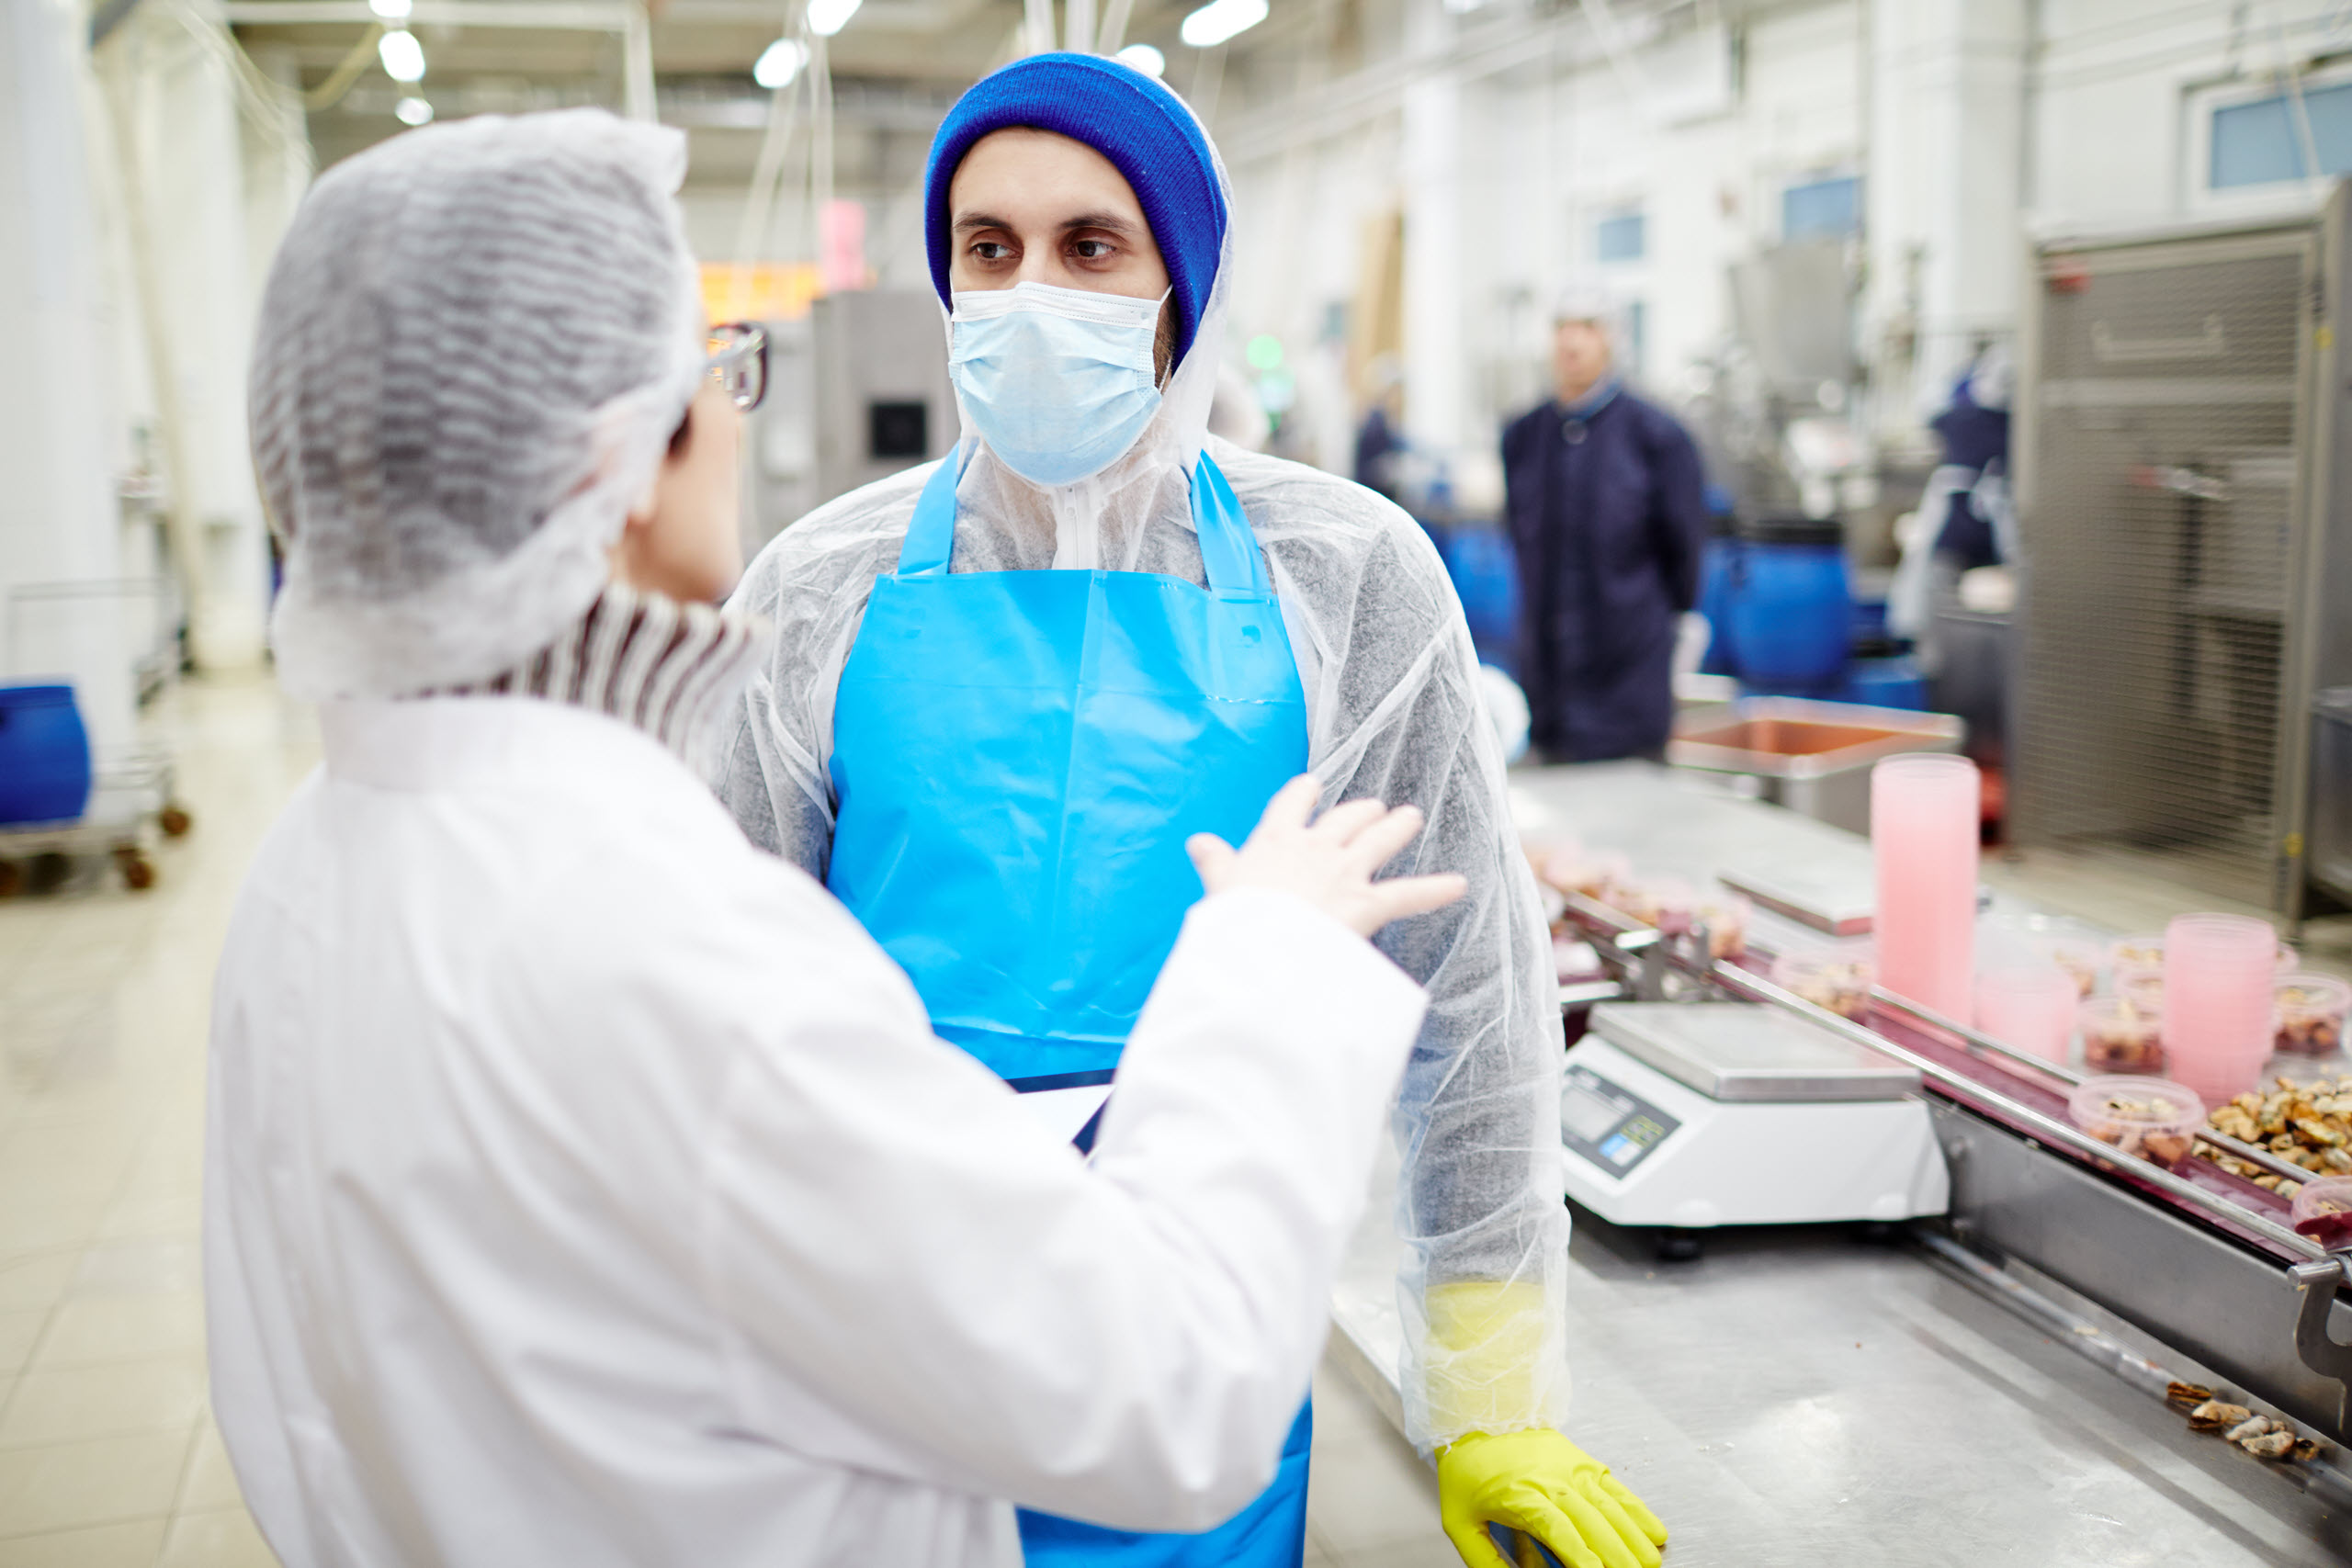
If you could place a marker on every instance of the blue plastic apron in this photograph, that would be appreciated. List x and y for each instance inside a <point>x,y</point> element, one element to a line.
<point>1019,757</point>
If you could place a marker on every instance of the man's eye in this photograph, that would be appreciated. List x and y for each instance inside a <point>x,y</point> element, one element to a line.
<point>991,250</point>
<point>1092,249</point>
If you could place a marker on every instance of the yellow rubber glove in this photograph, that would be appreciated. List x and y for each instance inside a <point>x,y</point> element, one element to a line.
<point>1538,1483</point>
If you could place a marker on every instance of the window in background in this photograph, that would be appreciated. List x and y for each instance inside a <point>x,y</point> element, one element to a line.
<point>2260,143</point>
<point>1822,209</point>
<point>1622,238</point>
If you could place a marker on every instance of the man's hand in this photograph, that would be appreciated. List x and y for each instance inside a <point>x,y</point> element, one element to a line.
<point>1538,1483</point>
<point>1331,862</point>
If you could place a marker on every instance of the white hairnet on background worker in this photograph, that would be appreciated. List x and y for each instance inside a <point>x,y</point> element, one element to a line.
<point>1395,711</point>
<point>584,1187</point>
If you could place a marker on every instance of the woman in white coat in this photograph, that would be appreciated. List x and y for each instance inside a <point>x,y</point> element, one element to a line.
<point>583,1186</point>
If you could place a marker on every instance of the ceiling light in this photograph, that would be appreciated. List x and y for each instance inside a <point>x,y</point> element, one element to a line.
<point>1219,21</point>
<point>827,18</point>
<point>414,111</point>
<point>403,57</point>
<point>1143,58</point>
<point>392,10</point>
<point>780,63</point>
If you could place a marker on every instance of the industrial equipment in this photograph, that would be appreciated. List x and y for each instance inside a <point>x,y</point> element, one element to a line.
<point>2185,525</point>
<point>1694,1115</point>
<point>2202,1257</point>
<point>879,390</point>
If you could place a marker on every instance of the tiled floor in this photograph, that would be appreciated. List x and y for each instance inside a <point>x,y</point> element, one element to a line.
<point>108,1458</point>
<point>107,1455</point>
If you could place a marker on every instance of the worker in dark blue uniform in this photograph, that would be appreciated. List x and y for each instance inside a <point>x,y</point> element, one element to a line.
<point>1606,498</point>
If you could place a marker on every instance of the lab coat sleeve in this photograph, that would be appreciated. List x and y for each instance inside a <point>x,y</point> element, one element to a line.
<point>916,1279</point>
<point>1477,1117</point>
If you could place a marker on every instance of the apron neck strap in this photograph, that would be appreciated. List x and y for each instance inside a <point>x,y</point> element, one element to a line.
<point>1229,556</point>
<point>1228,550</point>
<point>931,536</point>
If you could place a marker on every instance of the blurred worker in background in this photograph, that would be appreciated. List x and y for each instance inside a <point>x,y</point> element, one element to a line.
<point>995,764</point>
<point>1378,439</point>
<point>1606,500</point>
<point>1966,518</point>
<point>584,1189</point>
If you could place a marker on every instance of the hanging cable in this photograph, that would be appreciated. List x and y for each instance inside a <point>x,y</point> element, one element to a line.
<point>348,70</point>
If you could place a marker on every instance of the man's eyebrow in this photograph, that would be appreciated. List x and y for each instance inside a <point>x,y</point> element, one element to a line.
<point>971,222</point>
<point>1110,220</point>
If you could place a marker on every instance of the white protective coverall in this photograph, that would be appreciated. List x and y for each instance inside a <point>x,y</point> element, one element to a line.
<point>1395,713</point>
<point>585,1187</point>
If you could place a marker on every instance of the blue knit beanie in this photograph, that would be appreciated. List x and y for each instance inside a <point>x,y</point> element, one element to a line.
<point>1145,132</point>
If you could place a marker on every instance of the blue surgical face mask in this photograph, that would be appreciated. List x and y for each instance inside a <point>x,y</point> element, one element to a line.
<point>1059,381</point>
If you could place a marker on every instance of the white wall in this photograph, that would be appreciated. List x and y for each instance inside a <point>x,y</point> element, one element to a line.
<point>1977,123</point>
<point>1512,168</point>
<point>56,509</point>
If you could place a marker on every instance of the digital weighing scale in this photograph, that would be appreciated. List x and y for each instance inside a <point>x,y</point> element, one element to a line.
<point>1688,1115</point>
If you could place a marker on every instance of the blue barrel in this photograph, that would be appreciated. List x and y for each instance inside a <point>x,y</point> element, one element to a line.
<point>1792,603</point>
<point>44,755</point>
<point>1718,568</point>
<point>1485,569</point>
<point>1890,683</point>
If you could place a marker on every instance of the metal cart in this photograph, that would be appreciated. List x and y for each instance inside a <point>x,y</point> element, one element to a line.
<point>133,800</point>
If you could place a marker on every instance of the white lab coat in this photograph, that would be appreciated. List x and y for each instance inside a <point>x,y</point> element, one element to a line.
<point>585,1187</point>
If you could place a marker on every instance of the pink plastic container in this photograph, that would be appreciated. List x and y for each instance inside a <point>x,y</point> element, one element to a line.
<point>2310,1010</point>
<point>2219,974</point>
<point>2154,1118</point>
<point>2121,1034</point>
<point>2028,1007</point>
<point>1926,813</point>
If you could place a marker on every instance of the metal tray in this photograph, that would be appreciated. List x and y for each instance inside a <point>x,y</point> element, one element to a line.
<point>1740,1053</point>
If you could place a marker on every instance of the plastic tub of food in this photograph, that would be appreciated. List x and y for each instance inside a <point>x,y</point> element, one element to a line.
<point>1835,978</point>
<point>2145,986</point>
<point>2145,951</point>
<point>2311,1014</point>
<point>1724,914</point>
<point>2074,946</point>
<point>2322,1212</point>
<point>1587,873</point>
<point>2027,1007</point>
<point>1677,905</point>
<point>2121,1034</point>
<point>2153,1118</point>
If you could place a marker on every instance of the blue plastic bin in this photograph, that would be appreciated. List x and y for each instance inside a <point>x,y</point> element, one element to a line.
<point>1892,683</point>
<point>1485,569</point>
<point>1792,603</point>
<point>44,755</point>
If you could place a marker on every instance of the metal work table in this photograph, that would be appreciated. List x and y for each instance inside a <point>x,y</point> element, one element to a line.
<point>1807,1397</point>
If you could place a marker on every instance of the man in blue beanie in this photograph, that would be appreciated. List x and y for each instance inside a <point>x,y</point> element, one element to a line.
<point>1009,686</point>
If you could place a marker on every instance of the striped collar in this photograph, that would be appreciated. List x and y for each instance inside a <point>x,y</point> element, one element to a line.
<point>664,667</point>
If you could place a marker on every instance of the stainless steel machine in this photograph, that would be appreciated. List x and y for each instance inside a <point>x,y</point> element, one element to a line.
<point>858,390</point>
<point>879,387</point>
<point>2187,526</point>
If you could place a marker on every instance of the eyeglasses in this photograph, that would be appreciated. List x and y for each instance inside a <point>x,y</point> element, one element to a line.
<point>739,361</point>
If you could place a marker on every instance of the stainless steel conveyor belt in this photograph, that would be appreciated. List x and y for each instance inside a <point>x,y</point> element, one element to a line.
<point>1803,1398</point>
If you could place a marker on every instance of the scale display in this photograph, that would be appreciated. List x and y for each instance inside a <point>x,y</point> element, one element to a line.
<point>1614,1130</point>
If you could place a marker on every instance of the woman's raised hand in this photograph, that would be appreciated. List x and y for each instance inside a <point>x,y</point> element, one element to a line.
<point>1329,861</point>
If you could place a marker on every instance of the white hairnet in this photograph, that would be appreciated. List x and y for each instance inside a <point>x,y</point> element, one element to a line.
<point>1395,711</point>
<point>1587,300</point>
<point>474,344</point>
